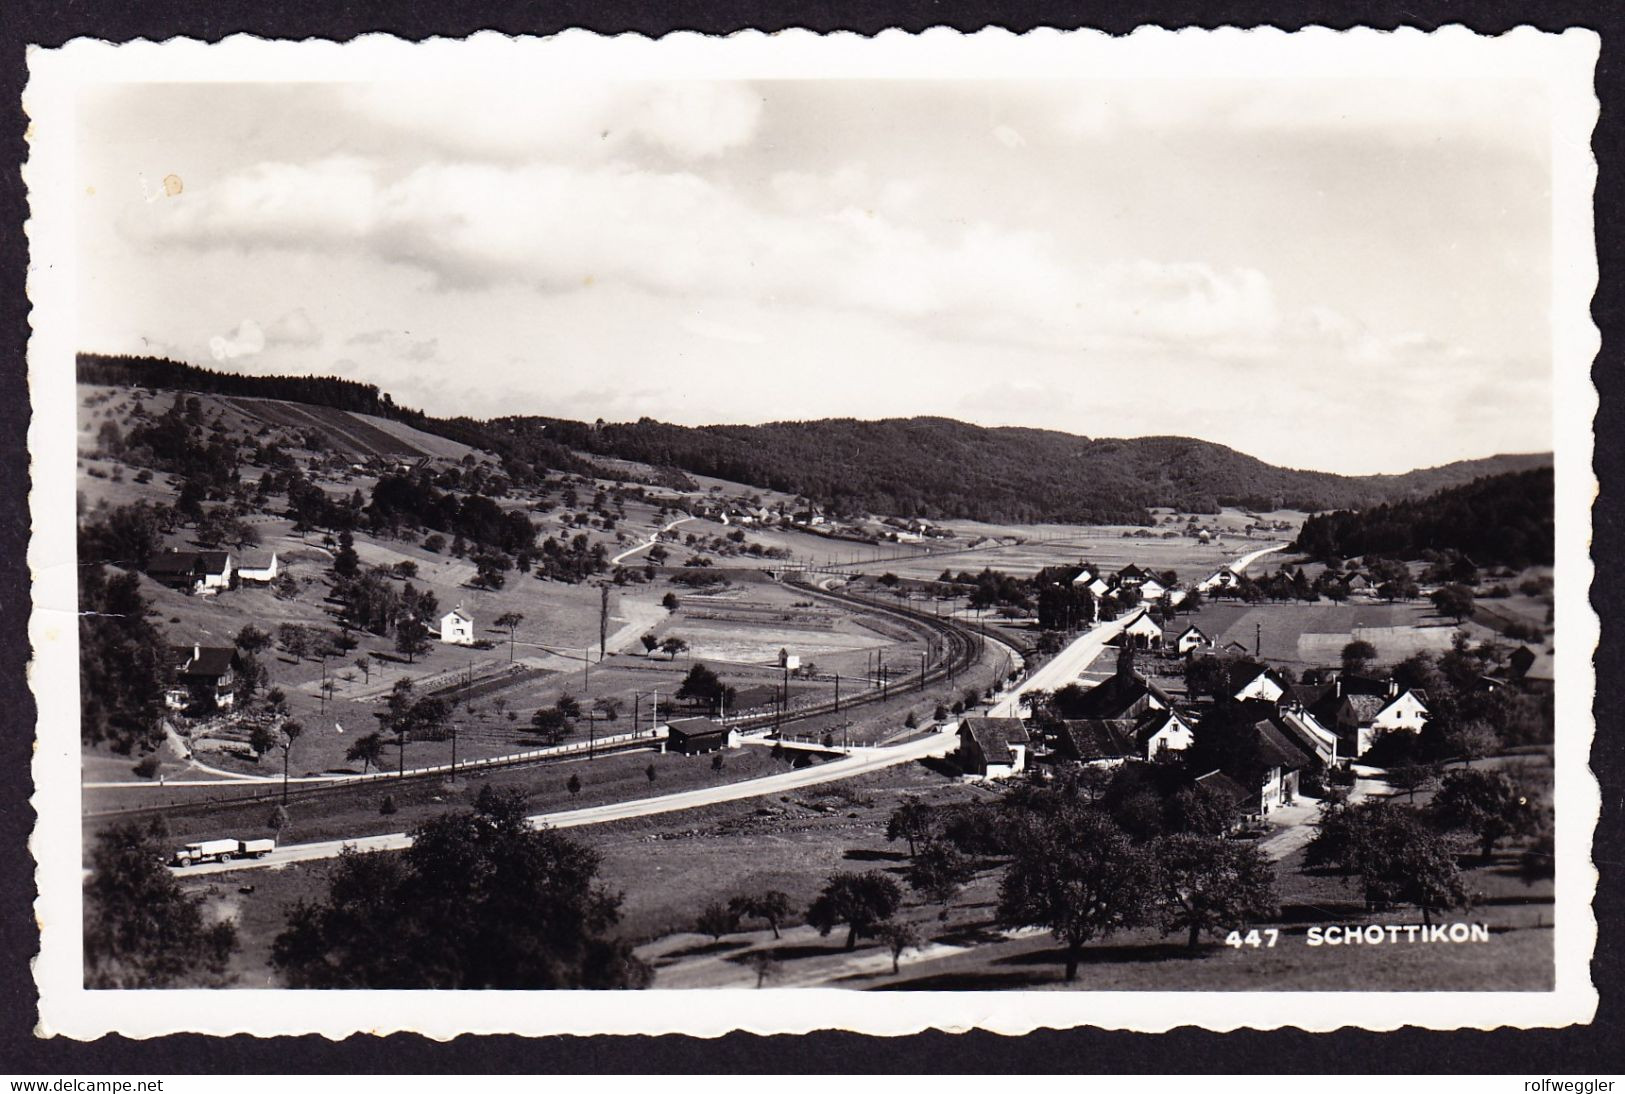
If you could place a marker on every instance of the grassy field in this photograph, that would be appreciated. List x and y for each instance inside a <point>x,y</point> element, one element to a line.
<point>1305,634</point>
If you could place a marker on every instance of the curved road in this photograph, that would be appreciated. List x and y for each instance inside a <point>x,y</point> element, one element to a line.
<point>654,537</point>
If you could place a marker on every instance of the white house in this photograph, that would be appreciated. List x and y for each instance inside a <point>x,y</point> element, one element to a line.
<point>992,748</point>
<point>1143,631</point>
<point>1222,578</point>
<point>457,627</point>
<point>1192,638</point>
<point>262,574</point>
<point>1163,730</point>
<point>1407,710</point>
<point>1264,685</point>
<point>1152,589</point>
<point>1084,578</point>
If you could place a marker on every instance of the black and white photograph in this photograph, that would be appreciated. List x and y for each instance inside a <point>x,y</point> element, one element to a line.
<point>1081,520</point>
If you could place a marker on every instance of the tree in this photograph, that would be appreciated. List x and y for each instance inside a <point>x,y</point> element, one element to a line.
<point>716,921</point>
<point>479,900</point>
<point>861,901</point>
<point>509,621</point>
<point>703,685</point>
<point>1398,857</point>
<point>1453,600</point>
<point>1485,803</point>
<point>651,774</point>
<point>939,872</point>
<point>1211,884</point>
<point>252,640</point>
<point>567,705</point>
<point>396,717</point>
<point>364,663</point>
<point>1410,778</point>
<point>1077,873</point>
<point>120,668</point>
<point>261,738</point>
<point>915,821</point>
<point>764,965</point>
<point>718,763</point>
<point>291,732</point>
<point>1471,741</point>
<point>550,724</point>
<point>141,930</point>
<point>670,602</point>
<point>673,646</point>
<point>771,906</point>
<point>369,749</point>
<point>573,785</point>
<point>899,937</point>
<point>346,563</point>
<point>650,643</point>
<point>411,637</point>
<point>1358,655</point>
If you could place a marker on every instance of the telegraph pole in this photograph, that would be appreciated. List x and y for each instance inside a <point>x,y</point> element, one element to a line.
<point>837,693</point>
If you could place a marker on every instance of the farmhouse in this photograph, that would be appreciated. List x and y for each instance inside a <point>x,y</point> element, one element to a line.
<point>1306,731</point>
<point>992,748</point>
<point>1366,709</point>
<point>1228,791</point>
<point>1267,760</point>
<point>691,736</point>
<point>1263,684</point>
<point>1222,578</point>
<point>457,627</point>
<point>1085,577</point>
<point>202,678</point>
<point>1096,742</point>
<point>1126,694</point>
<point>1152,589</point>
<point>1162,731</point>
<point>194,571</point>
<point>1143,631</point>
<point>1192,638</point>
<point>259,571</point>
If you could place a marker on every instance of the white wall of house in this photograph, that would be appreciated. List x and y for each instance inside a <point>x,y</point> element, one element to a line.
<point>1261,686</point>
<point>1405,712</point>
<point>222,580</point>
<point>456,629</point>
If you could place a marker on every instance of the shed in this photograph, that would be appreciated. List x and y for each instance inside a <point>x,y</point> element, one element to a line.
<point>695,735</point>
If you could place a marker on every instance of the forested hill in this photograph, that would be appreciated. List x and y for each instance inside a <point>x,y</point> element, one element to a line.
<point>929,467</point>
<point>1496,520</point>
<point>937,467</point>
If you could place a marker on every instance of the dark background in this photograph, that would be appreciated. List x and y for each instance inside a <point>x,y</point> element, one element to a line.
<point>1594,1049</point>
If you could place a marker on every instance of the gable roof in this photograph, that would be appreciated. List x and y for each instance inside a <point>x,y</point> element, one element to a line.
<point>172,563</point>
<point>212,662</point>
<point>1153,723</point>
<point>1118,695</point>
<point>994,736</point>
<point>1263,671</point>
<point>1224,786</point>
<point>1097,738</point>
<point>1193,629</point>
<point>1277,749</point>
<point>214,562</point>
<point>694,727</point>
<point>1364,708</point>
<point>457,613</point>
<point>1416,693</point>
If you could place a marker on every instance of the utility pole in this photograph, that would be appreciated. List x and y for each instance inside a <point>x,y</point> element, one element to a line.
<point>1258,639</point>
<point>922,670</point>
<point>454,750</point>
<point>603,620</point>
<point>837,693</point>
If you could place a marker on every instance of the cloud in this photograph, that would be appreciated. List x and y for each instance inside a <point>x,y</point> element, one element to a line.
<point>690,120</point>
<point>719,332</point>
<point>294,329</point>
<point>246,341</point>
<point>397,344</point>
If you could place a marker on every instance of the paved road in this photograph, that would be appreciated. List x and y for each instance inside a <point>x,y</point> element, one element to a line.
<point>654,537</point>
<point>1240,565</point>
<point>1064,668</point>
<point>869,760</point>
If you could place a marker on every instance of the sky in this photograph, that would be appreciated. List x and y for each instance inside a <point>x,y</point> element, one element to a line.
<point>1331,274</point>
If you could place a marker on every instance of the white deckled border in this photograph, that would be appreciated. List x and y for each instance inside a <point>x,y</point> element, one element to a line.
<point>1563,63</point>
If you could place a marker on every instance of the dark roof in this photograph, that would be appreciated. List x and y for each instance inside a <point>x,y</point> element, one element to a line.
<point>1223,785</point>
<point>1277,749</point>
<point>1122,695</point>
<point>694,727</point>
<point>173,562</point>
<point>994,736</point>
<point>1132,571</point>
<point>1151,724</point>
<point>213,562</point>
<point>210,661</point>
<point>1097,738</point>
<point>1311,696</point>
<point>1365,707</point>
<point>1198,630</point>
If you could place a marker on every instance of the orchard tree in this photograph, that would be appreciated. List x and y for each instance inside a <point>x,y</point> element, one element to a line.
<point>369,749</point>
<point>1358,655</point>
<point>716,921</point>
<point>860,901</point>
<point>291,732</point>
<point>915,821</point>
<point>673,646</point>
<point>772,906</point>
<point>939,872</point>
<point>509,621</point>
<point>1077,873</point>
<point>900,937</point>
<point>411,637</point>
<point>1485,803</point>
<point>1453,600</point>
<point>1211,884</point>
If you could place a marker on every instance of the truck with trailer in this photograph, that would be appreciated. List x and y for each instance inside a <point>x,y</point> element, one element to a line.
<point>223,850</point>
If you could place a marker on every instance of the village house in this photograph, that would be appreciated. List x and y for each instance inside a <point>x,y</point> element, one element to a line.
<point>457,627</point>
<point>1271,761</point>
<point>194,571</point>
<point>1125,694</point>
<point>692,736</point>
<point>1263,684</point>
<point>1192,638</point>
<point>1095,742</point>
<point>1161,731</point>
<point>1307,731</point>
<point>202,679</point>
<point>1143,631</point>
<point>1085,577</point>
<point>1152,589</point>
<point>1221,579</point>
<point>259,571</point>
<point>1229,792</point>
<point>992,748</point>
